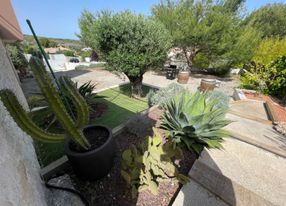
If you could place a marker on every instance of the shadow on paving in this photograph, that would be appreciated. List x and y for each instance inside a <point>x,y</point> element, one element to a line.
<point>278,139</point>
<point>207,186</point>
<point>72,73</point>
<point>30,86</point>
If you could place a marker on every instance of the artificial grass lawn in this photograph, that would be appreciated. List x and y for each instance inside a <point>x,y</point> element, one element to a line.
<point>120,106</point>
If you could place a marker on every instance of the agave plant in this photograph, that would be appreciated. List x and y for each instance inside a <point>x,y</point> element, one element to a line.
<point>195,120</point>
<point>72,127</point>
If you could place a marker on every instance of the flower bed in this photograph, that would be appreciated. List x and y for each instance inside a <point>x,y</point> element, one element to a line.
<point>113,190</point>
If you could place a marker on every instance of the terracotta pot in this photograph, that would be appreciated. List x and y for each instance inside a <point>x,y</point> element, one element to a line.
<point>207,85</point>
<point>183,77</point>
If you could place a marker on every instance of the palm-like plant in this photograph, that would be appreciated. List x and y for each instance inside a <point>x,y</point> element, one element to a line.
<point>195,120</point>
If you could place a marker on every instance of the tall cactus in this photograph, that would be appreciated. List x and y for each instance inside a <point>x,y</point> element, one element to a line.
<point>73,128</point>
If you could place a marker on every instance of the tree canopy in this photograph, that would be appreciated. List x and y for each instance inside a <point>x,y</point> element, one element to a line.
<point>269,19</point>
<point>200,26</point>
<point>129,43</point>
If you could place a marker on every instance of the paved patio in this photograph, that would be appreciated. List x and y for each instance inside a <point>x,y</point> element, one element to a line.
<point>105,79</point>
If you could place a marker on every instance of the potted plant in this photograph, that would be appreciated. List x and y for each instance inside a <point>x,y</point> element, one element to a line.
<point>183,75</point>
<point>90,149</point>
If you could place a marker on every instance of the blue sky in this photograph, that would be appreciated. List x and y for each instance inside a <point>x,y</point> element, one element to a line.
<point>59,18</point>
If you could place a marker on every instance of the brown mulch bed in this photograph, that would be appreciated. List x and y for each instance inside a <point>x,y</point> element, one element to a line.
<point>278,107</point>
<point>113,190</point>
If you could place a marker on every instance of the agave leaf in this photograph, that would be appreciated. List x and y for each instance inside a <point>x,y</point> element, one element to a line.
<point>216,133</point>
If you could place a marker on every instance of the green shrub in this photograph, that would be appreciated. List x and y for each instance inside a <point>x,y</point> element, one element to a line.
<point>269,50</point>
<point>96,65</point>
<point>277,80</point>
<point>195,120</point>
<point>255,77</point>
<point>81,67</point>
<point>85,54</point>
<point>68,53</point>
<point>163,95</point>
<point>268,79</point>
<point>16,54</point>
<point>145,165</point>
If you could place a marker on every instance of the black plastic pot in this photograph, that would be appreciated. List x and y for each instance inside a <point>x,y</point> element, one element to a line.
<point>96,162</point>
<point>171,73</point>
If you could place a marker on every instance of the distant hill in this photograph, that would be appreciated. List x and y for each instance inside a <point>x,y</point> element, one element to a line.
<point>68,43</point>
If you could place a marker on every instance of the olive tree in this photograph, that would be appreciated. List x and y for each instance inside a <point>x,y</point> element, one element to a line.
<point>129,43</point>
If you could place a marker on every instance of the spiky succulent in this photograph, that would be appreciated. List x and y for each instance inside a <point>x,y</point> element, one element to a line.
<point>195,120</point>
<point>72,127</point>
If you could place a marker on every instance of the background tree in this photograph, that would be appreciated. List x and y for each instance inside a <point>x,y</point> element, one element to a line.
<point>269,19</point>
<point>45,42</point>
<point>129,43</point>
<point>16,54</point>
<point>200,26</point>
<point>248,39</point>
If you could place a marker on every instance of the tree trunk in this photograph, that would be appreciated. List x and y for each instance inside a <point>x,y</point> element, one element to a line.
<point>190,55</point>
<point>136,85</point>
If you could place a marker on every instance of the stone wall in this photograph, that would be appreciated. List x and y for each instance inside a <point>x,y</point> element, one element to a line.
<point>20,183</point>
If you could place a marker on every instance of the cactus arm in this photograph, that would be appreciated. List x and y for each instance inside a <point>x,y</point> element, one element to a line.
<point>53,98</point>
<point>24,122</point>
<point>80,104</point>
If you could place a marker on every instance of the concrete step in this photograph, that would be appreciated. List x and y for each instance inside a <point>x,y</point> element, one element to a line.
<point>250,108</point>
<point>257,133</point>
<point>242,174</point>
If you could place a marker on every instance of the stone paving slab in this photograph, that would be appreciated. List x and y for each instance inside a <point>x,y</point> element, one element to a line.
<point>241,167</point>
<point>255,109</point>
<point>229,191</point>
<point>258,134</point>
<point>192,194</point>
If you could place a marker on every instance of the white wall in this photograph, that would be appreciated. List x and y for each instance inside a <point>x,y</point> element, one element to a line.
<point>20,184</point>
